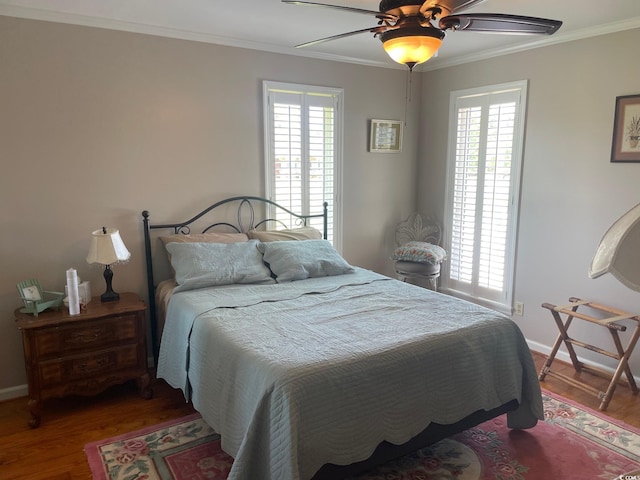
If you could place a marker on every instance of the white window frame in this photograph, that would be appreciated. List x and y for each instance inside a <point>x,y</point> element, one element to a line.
<point>501,300</point>
<point>270,88</point>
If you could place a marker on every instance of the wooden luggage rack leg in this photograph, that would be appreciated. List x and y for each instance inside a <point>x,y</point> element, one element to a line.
<point>621,354</point>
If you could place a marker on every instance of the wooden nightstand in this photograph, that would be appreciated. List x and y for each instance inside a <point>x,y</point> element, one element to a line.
<point>84,354</point>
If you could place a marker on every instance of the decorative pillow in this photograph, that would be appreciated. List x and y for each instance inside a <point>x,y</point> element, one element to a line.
<point>302,233</point>
<point>211,237</point>
<point>295,260</point>
<point>420,252</point>
<point>200,265</point>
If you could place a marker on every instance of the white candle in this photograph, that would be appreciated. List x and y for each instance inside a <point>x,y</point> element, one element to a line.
<point>72,287</point>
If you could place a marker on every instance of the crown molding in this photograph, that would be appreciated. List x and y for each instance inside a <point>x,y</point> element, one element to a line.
<point>180,34</point>
<point>580,34</point>
<point>434,64</point>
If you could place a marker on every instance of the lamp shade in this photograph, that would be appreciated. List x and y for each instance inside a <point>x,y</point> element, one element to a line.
<point>107,247</point>
<point>619,251</point>
<point>411,46</point>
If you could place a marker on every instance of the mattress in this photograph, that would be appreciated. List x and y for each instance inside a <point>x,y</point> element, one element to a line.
<point>163,293</point>
<point>322,370</point>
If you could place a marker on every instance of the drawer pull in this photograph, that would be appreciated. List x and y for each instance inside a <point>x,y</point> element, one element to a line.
<point>87,336</point>
<point>97,365</point>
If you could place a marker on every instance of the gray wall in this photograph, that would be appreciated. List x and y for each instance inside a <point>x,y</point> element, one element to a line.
<point>98,125</point>
<point>570,193</point>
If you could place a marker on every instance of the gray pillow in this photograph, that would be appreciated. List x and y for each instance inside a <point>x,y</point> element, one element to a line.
<point>295,260</point>
<point>200,265</point>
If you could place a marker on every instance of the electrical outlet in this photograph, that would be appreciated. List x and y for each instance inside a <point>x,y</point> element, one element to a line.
<point>519,309</point>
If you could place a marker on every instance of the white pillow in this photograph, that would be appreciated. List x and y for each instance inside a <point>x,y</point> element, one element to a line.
<point>209,237</point>
<point>200,265</point>
<point>302,233</point>
<point>295,260</point>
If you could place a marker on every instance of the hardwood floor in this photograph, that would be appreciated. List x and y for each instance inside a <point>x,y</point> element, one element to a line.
<point>54,451</point>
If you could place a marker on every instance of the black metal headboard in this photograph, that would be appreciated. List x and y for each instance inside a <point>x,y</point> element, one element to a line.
<point>245,221</point>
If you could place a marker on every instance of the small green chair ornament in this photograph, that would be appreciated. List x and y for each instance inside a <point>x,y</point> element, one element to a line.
<point>36,299</point>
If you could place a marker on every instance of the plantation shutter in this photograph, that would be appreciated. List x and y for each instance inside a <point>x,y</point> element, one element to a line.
<point>484,170</point>
<point>302,146</point>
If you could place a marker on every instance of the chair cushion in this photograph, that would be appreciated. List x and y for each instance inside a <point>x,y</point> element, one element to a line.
<point>415,268</point>
<point>420,252</point>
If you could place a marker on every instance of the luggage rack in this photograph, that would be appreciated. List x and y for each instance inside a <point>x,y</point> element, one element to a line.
<point>612,325</point>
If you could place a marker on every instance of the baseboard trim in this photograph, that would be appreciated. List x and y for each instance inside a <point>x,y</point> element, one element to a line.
<point>14,392</point>
<point>564,356</point>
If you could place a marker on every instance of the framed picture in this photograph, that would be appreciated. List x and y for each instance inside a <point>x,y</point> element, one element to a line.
<point>31,293</point>
<point>625,146</point>
<point>386,136</point>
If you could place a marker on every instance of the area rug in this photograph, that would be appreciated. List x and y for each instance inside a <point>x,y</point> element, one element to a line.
<point>573,442</point>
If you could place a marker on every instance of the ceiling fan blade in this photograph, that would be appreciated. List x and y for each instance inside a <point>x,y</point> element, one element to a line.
<point>500,23</point>
<point>378,29</point>
<point>380,15</point>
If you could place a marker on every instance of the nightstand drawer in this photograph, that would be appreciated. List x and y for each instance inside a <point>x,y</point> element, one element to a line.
<point>54,372</point>
<point>84,354</point>
<point>96,334</point>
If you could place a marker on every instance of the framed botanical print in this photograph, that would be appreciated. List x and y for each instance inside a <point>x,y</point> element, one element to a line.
<point>625,146</point>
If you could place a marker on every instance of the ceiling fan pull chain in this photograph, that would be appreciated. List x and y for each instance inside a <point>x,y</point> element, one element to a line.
<point>407,96</point>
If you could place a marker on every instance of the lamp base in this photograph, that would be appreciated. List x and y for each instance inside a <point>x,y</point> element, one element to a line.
<point>109,295</point>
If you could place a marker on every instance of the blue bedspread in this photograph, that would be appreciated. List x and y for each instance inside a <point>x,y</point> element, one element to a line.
<point>318,371</point>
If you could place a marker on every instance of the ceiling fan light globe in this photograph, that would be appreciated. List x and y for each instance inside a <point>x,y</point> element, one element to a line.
<point>412,49</point>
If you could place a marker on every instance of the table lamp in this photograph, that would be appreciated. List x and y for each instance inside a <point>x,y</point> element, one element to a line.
<point>106,249</point>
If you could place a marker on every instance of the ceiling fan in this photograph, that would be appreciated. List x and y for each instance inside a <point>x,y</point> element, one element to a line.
<point>408,30</point>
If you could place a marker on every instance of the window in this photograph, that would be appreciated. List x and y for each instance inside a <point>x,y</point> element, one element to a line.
<point>303,151</point>
<point>483,170</point>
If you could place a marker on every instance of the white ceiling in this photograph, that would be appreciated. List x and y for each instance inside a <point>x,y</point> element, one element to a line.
<point>276,27</point>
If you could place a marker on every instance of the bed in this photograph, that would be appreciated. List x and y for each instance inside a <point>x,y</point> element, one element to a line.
<point>310,367</point>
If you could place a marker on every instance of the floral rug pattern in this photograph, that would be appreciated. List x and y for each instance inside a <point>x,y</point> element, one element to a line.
<point>172,450</point>
<point>572,443</point>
